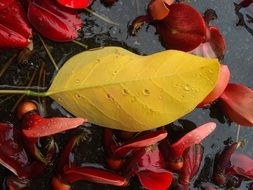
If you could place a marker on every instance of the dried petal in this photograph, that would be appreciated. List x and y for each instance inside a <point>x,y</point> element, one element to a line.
<point>35,126</point>
<point>193,137</point>
<point>237,102</point>
<point>223,163</point>
<point>92,174</point>
<point>183,29</point>
<point>14,183</point>
<point>76,4</point>
<point>155,180</point>
<point>54,21</point>
<point>221,84</point>
<point>14,29</point>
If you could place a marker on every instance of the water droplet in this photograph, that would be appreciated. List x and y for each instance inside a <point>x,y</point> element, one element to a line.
<point>186,88</point>
<point>210,71</point>
<point>146,92</point>
<point>78,96</point>
<point>160,97</point>
<point>98,60</point>
<point>115,73</point>
<point>77,81</point>
<point>125,92</point>
<point>59,99</point>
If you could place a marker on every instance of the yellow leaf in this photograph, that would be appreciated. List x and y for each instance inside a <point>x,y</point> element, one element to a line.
<point>115,88</point>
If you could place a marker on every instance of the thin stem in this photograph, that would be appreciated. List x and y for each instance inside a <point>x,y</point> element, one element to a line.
<point>7,64</point>
<point>80,44</point>
<point>49,53</point>
<point>104,18</point>
<point>238,132</point>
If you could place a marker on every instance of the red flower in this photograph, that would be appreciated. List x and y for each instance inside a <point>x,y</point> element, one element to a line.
<point>76,4</point>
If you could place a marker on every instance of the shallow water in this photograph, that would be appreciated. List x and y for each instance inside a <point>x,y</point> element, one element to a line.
<point>97,33</point>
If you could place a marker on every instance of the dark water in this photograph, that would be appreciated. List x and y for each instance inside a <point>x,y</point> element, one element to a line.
<point>98,33</point>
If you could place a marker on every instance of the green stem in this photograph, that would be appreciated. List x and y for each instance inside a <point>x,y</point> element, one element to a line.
<point>26,92</point>
<point>80,44</point>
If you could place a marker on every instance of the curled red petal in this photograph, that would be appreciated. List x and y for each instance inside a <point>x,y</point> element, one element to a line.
<point>92,174</point>
<point>216,41</point>
<point>155,180</point>
<point>137,23</point>
<point>223,163</point>
<point>143,140</point>
<point>76,4</point>
<point>14,29</point>
<point>237,102</point>
<point>54,21</point>
<point>241,165</point>
<point>221,84</point>
<point>14,183</point>
<point>35,126</point>
<point>157,9</point>
<point>245,3</point>
<point>192,160</point>
<point>193,137</point>
<point>12,153</point>
<point>183,29</point>
<point>110,142</point>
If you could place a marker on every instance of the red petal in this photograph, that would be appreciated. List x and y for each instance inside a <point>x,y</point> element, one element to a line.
<point>193,137</point>
<point>221,84</point>
<point>152,159</point>
<point>183,29</point>
<point>157,9</point>
<point>76,4</point>
<point>54,21</point>
<point>12,152</point>
<point>143,140</point>
<point>110,142</point>
<point>93,175</point>
<point>192,160</point>
<point>14,29</point>
<point>237,101</point>
<point>223,163</point>
<point>65,154</point>
<point>57,184</point>
<point>35,126</point>
<point>158,180</point>
<point>4,3</point>
<point>14,183</point>
<point>242,165</point>
<point>217,41</point>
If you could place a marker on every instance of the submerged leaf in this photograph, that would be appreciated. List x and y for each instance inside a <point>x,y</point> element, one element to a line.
<point>115,88</point>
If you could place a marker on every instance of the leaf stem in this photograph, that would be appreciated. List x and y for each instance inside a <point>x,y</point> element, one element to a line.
<point>26,92</point>
<point>104,18</point>
<point>48,53</point>
<point>7,64</point>
<point>238,133</point>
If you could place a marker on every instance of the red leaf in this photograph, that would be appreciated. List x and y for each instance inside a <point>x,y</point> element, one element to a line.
<point>183,29</point>
<point>92,174</point>
<point>241,165</point>
<point>35,126</point>
<point>221,84</point>
<point>76,4</point>
<point>14,29</point>
<point>12,153</point>
<point>193,137</point>
<point>192,160</point>
<point>54,21</point>
<point>237,102</point>
<point>143,140</point>
<point>158,180</point>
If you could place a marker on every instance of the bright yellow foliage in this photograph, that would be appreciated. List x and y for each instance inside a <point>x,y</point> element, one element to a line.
<point>115,88</point>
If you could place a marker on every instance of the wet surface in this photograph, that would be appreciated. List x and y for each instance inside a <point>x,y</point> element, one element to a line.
<point>97,33</point>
